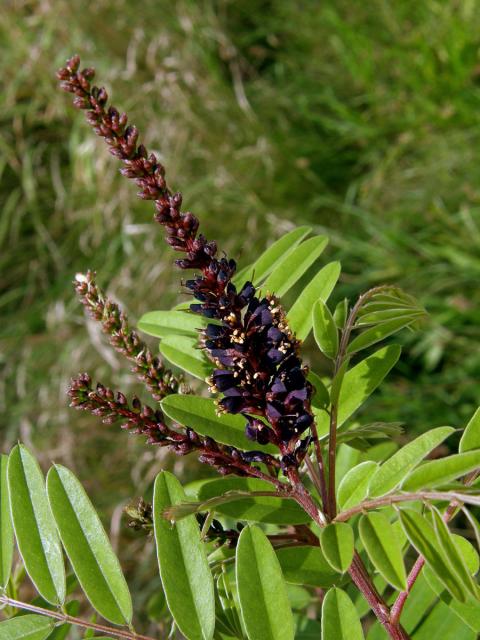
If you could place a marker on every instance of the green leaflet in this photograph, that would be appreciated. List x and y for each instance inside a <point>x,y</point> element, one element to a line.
<point>353,487</point>
<point>359,383</point>
<point>35,530</point>
<point>261,588</point>
<point>27,627</point>
<point>6,528</point>
<point>443,622</point>
<point>383,548</point>
<point>452,552</point>
<point>381,331</point>
<point>257,509</point>
<point>186,576</point>
<point>392,472</point>
<point>325,329</point>
<point>162,324</point>
<point>443,470</point>
<point>468,552</point>
<point>337,544</point>
<point>320,287</point>
<point>88,547</point>
<point>306,566</point>
<point>294,265</point>
<point>201,415</point>
<point>341,312</point>
<point>471,436</point>
<point>184,352</point>
<point>340,620</point>
<point>421,535</point>
<point>270,258</point>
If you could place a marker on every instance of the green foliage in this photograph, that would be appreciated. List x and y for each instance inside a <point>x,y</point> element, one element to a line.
<point>383,548</point>
<point>186,577</point>
<point>325,330</point>
<point>272,257</point>
<point>87,547</point>
<point>340,619</point>
<point>337,542</point>
<point>203,414</point>
<point>319,288</point>
<point>28,627</point>
<point>261,588</point>
<point>353,486</point>
<point>394,470</point>
<point>34,526</point>
<point>183,352</point>
<point>294,265</point>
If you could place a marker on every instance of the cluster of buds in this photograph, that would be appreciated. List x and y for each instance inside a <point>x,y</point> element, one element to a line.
<point>141,419</point>
<point>147,367</point>
<point>258,370</point>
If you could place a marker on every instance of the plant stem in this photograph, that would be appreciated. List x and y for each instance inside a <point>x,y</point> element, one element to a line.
<point>357,570</point>
<point>65,618</point>
<point>383,501</point>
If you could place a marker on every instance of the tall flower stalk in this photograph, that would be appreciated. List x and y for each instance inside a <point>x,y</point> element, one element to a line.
<point>258,370</point>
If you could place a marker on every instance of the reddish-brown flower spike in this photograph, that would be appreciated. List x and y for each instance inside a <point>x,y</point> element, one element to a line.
<point>147,367</point>
<point>142,419</point>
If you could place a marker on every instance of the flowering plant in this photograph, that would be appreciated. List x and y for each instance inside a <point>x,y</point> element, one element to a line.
<point>310,529</point>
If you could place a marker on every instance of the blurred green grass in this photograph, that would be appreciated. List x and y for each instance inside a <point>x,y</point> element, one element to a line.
<point>358,118</point>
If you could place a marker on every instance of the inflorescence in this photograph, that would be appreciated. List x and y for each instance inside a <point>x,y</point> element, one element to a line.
<point>259,371</point>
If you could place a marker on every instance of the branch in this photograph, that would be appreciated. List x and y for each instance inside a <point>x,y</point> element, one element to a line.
<point>383,501</point>
<point>65,618</point>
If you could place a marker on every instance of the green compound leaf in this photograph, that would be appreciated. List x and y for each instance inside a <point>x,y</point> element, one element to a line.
<point>88,547</point>
<point>27,627</point>
<point>320,287</point>
<point>201,415</point>
<point>442,471</point>
<point>184,353</point>
<point>422,536</point>
<point>383,548</point>
<point>306,566</point>
<point>324,329</point>
<point>6,528</point>
<point>396,468</point>
<point>163,324</point>
<point>353,487</point>
<point>337,542</point>
<point>471,436</point>
<point>340,620</point>
<point>359,383</point>
<point>270,258</point>
<point>294,265</point>
<point>35,529</point>
<point>261,588</point>
<point>256,509</point>
<point>186,577</point>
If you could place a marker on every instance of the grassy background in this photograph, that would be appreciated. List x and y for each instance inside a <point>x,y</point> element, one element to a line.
<point>361,119</point>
